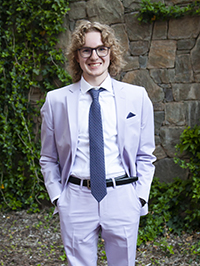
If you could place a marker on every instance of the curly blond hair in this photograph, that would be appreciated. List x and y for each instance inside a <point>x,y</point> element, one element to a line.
<point>108,39</point>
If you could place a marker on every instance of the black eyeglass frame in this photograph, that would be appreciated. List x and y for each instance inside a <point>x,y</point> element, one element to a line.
<point>92,49</point>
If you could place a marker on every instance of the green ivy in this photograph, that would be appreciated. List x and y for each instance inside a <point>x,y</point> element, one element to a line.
<point>152,11</point>
<point>190,144</point>
<point>29,63</point>
<point>171,209</point>
<point>175,207</point>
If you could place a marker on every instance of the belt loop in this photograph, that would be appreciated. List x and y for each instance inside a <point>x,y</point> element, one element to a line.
<point>88,184</point>
<point>81,183</point>
<point>114,182</point>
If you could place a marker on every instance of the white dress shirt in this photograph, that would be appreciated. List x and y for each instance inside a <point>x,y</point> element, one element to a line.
<point>113,164</point>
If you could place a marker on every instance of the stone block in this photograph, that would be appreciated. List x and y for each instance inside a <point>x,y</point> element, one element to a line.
<point>195,56</point>
<point>192,113</point>
<point>184,28</point>
<point>166,170</point>
<point>162,75</point>
<point>185,92</point>
<point>137,31</point>
<point>185,44</point>
<point>105,11</point>
<point>160,30</point>
<point>175,114</point>
<point>168,95</point>
<point>64,37</point>
<point>157,140</point>
<point>179,52</point>
<point>197,77</point>
<point>162,54</point>
<point>77,10</point>
<point>169,137</point>
<point>121,34</point>
<point>35,95</point>
<point>143,61</point>
<point>159,117</point>
<point>132,62</point>
<point>158,106</point>
<point>142,78</point>
<point>159,153</point>
<point>131,5</point>
<point>139,47</point>
<point>183,69</point>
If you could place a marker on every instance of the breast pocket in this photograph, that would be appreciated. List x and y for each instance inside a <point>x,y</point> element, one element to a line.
<point>132,121</point>
<point>132,130</point>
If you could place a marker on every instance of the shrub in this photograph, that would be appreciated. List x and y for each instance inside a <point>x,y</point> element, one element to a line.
<point>190,144</point>
<point>175,207</point>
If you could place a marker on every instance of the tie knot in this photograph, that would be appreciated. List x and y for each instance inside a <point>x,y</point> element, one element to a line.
<point>95,93</point>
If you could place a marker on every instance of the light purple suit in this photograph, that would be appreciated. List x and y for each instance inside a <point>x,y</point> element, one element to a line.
<point>135,136</point>
<point>60,136</point>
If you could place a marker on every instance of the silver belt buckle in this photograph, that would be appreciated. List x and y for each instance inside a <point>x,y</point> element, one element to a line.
<point>88,184</point>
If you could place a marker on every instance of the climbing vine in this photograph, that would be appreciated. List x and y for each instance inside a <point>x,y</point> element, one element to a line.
<point>152,11</point>
<point>29,63</point>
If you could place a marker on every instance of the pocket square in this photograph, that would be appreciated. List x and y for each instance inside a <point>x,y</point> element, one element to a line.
<point>130,115</point>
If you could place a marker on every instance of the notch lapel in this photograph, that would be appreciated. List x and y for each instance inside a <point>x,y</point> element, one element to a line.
<point>120,99</point>
<point>72,111</point>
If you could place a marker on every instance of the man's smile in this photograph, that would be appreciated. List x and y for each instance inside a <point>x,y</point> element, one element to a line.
<point>94,64</point>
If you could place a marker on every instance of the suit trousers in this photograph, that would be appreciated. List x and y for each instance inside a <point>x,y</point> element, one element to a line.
<point>82,218</point>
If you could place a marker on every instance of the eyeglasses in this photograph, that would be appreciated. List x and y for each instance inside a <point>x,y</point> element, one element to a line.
<point>86,52</point>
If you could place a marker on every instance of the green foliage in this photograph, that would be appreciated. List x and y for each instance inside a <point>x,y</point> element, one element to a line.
<point>175,207</point>
<point>29,63</point>
<point>63,257</point>
<point>190,144</point>
<point>164,246</point>
<point>171,209</point>
<point>195,248</point>
<point>151,11</point>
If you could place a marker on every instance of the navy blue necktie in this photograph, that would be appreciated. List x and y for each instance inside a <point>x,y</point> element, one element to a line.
<point>97,164</point>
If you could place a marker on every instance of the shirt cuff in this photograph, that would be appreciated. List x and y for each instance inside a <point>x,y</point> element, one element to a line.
<point>55,199</point>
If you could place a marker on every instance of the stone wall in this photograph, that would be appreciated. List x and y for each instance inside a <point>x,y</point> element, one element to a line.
<point>164,57</point>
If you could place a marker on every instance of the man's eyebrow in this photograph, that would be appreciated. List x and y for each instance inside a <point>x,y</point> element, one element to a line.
<point>93,47</point>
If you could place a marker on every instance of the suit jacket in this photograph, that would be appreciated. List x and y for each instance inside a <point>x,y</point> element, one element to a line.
<point>59,136</point>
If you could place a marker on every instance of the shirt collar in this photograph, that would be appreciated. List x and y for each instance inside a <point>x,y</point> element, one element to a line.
<point>106,84</point>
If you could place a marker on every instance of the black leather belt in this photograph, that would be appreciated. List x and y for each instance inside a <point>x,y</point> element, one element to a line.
<point>121,180</point>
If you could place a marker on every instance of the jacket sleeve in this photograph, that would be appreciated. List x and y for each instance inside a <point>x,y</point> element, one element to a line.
<point>49,157</point>
<point>145,157</point>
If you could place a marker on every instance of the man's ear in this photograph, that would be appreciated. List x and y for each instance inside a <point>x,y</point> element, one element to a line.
<point>76,57</point>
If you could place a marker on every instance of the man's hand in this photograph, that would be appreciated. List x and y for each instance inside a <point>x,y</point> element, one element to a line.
<point>143,202</point>
<point>55,202</point>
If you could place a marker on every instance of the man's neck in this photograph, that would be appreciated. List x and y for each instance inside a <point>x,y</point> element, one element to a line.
<point>95,81</point>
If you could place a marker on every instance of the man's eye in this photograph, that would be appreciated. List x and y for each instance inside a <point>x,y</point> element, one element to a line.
<point>86,51</point>
<point>102,49</point>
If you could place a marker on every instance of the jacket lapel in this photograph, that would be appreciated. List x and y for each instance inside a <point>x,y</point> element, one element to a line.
<point>120,99</point>
<point>72,111</point>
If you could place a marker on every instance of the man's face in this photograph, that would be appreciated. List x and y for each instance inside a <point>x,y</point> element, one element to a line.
<point>95,68</point>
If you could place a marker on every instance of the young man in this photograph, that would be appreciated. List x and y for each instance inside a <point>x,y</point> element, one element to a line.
<point>120,173</point>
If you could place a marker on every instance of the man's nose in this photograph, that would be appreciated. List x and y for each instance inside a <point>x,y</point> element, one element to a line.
<point>94,54</point>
